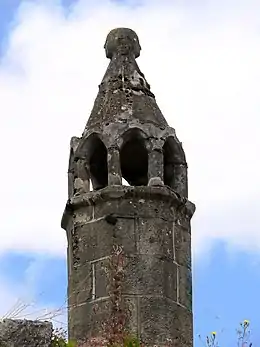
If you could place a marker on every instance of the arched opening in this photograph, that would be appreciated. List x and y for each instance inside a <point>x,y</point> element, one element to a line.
<point>175,168</point>
<point>134,159</point>
<point>97,163</point>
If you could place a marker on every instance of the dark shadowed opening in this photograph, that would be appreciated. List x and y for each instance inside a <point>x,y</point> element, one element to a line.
<point>134,159</point>
<point>98,163</point>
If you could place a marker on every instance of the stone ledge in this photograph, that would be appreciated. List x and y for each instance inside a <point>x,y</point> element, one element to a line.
<point>25,333</point>
<point>125,192</point>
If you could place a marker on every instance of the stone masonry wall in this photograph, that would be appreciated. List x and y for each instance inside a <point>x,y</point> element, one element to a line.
<point>152,225</point>
<point>25,333</point>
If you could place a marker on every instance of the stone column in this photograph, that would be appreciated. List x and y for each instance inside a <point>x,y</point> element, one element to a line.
<point>155,167</point>
<point>81,181</point>
<point>180,181</point>
<point>113,165</point>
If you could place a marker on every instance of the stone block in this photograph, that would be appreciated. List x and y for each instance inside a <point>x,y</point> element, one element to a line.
<point>150,275</point>
<point>96,239</point>
<point>94,318</point>
<point>125,235</point>
<point>89,319</point>
<point>25,333</point>
<point>80,284</point>
<point>123,207</point>
<point>164,322</point>
<point>102,278</point>
<point>155,208</point>
<point>135,206</point>
<point>155,237</point>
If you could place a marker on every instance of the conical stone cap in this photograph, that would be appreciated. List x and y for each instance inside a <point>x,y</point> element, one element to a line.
<point>124,94</point>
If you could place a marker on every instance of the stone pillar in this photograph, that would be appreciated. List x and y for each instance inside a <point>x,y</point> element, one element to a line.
<point>180,181</point>
<point>71,187</point>
<point>155,167</point>
<point>114,169</point>
<point>81,178</point>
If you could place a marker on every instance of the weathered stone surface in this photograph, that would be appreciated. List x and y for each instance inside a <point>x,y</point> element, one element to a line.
<point>150,275</point>
<point>155,237</point>
<point>182,244</point>
<point>96,239</point>
<point>25,333</point>
<point>81,284</point>
<point>146,225</point>
<point>87,320</point>
<point>155,259</point>
<point>163,322</point>
<point>185,287</point>
<point>160,202</point>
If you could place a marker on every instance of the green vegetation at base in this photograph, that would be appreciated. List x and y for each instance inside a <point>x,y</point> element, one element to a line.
<point>59,339</point>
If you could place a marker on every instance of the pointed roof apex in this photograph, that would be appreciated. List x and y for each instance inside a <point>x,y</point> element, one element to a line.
<point>122,41</point>
<point>124,94</point>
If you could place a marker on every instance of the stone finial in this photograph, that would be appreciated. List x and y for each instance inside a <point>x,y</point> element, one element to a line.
<point>122,41</point>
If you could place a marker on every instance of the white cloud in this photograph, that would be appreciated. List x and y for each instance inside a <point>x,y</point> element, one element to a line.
<point>203,65</point>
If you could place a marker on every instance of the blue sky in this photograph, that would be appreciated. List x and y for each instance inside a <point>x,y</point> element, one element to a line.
<point>202,61</point>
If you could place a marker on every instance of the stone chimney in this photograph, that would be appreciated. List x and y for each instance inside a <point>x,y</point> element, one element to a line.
<point>129,245</point>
